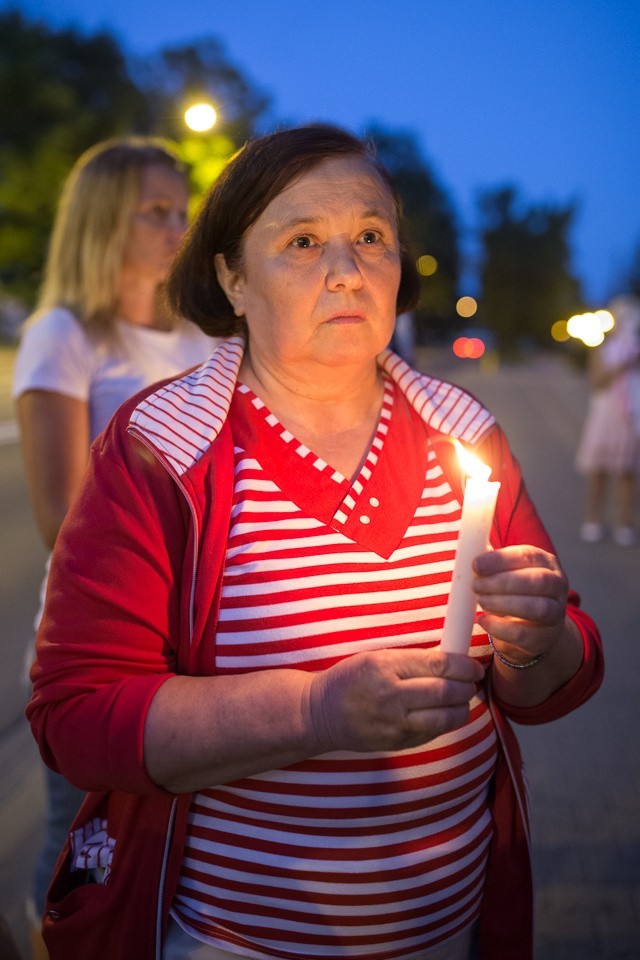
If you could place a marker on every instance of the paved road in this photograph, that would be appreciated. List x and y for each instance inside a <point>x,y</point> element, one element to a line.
<point>584,770</point>
<point>21,567</point>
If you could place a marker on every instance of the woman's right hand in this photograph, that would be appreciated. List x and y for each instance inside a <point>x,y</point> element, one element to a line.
<point>391,699</point>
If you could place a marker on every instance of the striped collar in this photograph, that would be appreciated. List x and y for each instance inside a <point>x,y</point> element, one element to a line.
<point>183,417</point>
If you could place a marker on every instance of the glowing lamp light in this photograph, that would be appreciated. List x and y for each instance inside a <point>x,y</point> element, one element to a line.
<point>573,326</point>
<point>588,327</point>
<point>592,337</point>
<point>559,331</point>
<point>200,117</point>
<point>427,265</point>
<point>468,348</point>
<point>478,506</point>
<point>466,306</point>
<point>606,320</point>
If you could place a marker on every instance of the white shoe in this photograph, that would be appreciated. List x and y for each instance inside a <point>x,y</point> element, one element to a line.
<point>625,536</point>
<point>591,532</point>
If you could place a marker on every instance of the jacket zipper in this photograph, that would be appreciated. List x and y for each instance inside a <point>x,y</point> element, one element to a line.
<point>521,801</point>
<point>163,872</point>
<point>169,834</point>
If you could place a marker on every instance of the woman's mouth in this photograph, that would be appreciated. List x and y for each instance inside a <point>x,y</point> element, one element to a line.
<point>346,317</point>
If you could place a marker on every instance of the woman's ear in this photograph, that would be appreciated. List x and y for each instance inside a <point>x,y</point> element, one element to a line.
<point>232,282</point>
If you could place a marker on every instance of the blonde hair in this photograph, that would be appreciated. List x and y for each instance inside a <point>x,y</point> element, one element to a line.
<point>91,227</point>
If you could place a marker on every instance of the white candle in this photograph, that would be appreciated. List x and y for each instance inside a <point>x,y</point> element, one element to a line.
<point>478,506</point>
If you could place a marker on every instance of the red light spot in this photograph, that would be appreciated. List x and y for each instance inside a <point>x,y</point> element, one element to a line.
<point>459,346</point>
<point>468,348</point>
<point>476,347</point>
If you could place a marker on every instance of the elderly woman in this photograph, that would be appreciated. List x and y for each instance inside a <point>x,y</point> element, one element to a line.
<point>240,655</point>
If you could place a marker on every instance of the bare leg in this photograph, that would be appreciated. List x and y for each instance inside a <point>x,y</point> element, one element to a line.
<point>625,490</point>
<point>597,483</point>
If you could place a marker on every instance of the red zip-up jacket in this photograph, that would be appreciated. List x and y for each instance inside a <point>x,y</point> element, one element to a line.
<point>133,598</point>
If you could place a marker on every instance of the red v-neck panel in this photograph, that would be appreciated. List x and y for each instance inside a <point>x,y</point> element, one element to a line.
<point>307,481</point>
<point>388,502</point>
<point>376,509</point>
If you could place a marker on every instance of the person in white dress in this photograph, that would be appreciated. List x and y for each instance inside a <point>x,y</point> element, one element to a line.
<point>608,452</point>
<point>101,331</point>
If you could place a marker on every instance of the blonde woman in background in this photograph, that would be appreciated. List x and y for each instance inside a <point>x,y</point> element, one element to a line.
<point>102,330</point>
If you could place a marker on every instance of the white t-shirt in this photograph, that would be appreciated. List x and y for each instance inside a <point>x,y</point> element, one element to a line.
<point>57,353</point>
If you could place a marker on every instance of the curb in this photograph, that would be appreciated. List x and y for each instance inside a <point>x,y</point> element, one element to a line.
<point>9,432</point>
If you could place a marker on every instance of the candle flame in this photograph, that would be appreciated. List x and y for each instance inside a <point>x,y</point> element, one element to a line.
<point>470,464</point>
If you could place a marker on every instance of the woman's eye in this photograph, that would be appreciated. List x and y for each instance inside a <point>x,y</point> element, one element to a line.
<point>161,215</point>
<point>370,236</point>
<point>303,242</point>
<point>157,212</point>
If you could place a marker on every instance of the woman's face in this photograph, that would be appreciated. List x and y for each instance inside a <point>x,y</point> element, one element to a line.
<point>158,224</point>
<point>320,269</point>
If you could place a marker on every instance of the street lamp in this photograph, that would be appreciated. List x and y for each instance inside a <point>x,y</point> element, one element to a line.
<point>200,117</point>
<point>466,306</point>
<point>590,327</point>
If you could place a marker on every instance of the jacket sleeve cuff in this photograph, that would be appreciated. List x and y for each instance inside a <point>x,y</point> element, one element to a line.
<point>125,748</point>
<point>577,690</point>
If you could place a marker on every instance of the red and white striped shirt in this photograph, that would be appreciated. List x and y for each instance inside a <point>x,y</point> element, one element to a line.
<point>372,856</point>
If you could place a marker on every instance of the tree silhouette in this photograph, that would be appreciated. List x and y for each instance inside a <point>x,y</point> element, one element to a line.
<point>60,92</point>
<point>631,282</point>
<point>526,278</point>
<point>431,224</point>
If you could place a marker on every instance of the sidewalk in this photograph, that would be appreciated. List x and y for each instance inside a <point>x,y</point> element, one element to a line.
<point>8,426</point>
<point>583,770</point>
<point>6,376</point>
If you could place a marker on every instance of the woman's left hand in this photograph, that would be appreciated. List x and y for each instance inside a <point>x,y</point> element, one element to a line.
<point>523,594</point>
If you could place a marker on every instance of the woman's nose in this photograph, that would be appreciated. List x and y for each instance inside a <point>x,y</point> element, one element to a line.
<point>177,222</point>
<point>342,268</point>
<point>174,235</point>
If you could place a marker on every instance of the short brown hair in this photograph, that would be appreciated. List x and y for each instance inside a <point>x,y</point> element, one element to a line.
<point>258,173</point>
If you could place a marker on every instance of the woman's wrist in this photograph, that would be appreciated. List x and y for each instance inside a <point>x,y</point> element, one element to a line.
<point>524,687</point>
<point>516,664</point>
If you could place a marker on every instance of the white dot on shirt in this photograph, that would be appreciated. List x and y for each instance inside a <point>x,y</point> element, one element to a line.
<point>365,519</point>
<point>374,502</point>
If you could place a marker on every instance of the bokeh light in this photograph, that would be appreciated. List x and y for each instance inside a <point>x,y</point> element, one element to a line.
<point>592,337</point>
<point>468,348</point>
<point>200,117</point>
<point>466,306</point>
<point>607,322</point>
<point>559,331</point>
<point>427,265</point>
<point>588,327</point>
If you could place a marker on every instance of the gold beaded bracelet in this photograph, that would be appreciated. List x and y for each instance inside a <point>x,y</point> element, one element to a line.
<point>510,663</point>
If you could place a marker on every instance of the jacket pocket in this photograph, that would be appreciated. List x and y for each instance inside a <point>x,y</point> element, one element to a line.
<point>72,919</point>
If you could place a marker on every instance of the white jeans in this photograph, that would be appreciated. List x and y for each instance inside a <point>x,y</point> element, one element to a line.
<point>182,946</point>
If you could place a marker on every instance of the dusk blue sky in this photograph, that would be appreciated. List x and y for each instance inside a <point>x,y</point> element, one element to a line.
<point>544,95</point>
